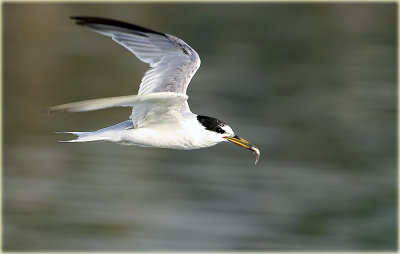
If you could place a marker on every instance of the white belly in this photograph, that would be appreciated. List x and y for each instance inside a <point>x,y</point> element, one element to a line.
<point>173,137</point>
<point>185,135</point>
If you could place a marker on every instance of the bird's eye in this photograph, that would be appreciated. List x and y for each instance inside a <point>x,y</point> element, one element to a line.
<point>219,130</point>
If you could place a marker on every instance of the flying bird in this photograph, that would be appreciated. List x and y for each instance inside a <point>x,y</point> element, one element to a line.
<point>160,116</point>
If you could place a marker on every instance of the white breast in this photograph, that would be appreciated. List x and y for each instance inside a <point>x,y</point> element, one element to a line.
<point>186,135</point>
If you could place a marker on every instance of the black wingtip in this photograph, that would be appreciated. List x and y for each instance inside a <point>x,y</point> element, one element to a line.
<point>85,20</point>
<point>78,20</point>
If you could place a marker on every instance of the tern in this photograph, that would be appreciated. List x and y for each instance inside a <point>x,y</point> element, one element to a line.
<point>161,116</point>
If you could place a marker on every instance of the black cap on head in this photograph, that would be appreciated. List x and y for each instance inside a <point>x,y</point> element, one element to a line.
<point>211,124</point>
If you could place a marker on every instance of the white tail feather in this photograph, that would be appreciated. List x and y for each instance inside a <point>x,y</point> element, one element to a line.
<point>85,139</point>
<point>99,135</point>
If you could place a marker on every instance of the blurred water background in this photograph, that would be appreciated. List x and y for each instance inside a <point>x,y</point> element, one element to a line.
<point>312,85</point>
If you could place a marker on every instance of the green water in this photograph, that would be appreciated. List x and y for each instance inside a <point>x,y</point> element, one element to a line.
<point>312,85</point>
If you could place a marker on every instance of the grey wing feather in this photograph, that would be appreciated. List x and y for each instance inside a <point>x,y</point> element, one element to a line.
<point>173,62</point>
<point>150,108</point>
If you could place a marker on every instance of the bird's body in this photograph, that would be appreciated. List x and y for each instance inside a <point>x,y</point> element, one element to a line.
<point>161,116</point>
<point>183,135</point>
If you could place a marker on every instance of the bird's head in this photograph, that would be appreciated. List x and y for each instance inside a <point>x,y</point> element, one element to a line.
<point>224,132</point>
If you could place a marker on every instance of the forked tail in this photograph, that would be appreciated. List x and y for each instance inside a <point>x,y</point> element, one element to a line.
<point>82,137</point>
<point>106,134</point>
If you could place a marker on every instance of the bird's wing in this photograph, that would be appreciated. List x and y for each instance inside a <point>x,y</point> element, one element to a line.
<point>173,63</point>
<point>152,108</point>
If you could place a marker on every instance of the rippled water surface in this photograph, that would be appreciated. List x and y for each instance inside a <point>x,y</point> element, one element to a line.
<point>312,85</point>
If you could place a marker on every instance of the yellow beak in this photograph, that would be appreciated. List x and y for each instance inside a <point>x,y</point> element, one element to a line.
<point>244,143</point>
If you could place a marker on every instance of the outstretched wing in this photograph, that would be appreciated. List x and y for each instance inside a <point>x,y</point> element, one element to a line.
<point>173,63</point>
<point>152,108</point>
